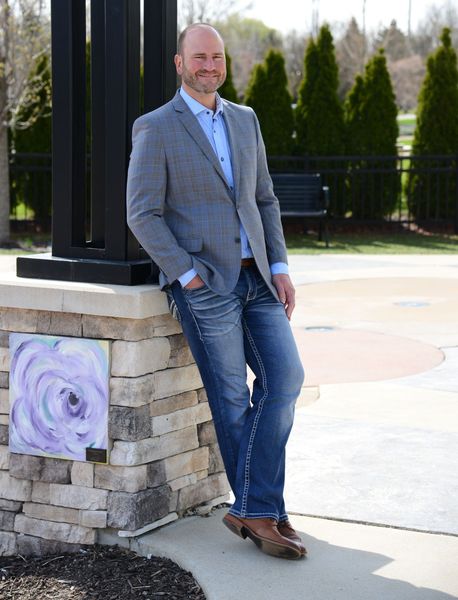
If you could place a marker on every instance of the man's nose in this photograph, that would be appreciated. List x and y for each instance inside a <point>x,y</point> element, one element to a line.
<point>209,64</point>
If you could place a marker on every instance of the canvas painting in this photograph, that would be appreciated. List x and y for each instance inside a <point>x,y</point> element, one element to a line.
<point>59,397</point>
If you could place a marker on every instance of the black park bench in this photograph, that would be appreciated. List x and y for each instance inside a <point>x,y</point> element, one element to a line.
<point>303,195</point>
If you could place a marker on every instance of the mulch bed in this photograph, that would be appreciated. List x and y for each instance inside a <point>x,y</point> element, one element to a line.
<point>104,573</point>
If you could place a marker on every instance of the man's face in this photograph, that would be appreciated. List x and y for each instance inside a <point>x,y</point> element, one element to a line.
<point>202,63</point>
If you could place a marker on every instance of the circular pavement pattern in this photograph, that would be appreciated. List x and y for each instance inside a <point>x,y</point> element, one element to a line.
<point>345,355</point>
<point>333,350</point>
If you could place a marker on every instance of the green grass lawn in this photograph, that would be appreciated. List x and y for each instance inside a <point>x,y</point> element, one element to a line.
<point>374,243</point>
<point>371,242</point>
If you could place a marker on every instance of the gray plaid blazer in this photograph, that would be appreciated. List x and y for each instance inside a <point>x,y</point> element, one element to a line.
<point>180,206</point>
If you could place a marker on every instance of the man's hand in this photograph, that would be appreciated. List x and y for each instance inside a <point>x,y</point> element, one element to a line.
<point>196,282</point>
<point>286,292</point>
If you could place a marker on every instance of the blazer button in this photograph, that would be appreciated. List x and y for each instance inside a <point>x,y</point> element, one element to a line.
<point>237,240</point>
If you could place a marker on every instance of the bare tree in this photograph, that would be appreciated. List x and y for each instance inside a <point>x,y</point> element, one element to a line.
<point>247,41</point>
<point>393,41</point>
<point>351,51</point>
<point>294,45</point>
<point>407,75</point>
<point>23,38</point>
<point>426,38</point>
<point>207,11</point>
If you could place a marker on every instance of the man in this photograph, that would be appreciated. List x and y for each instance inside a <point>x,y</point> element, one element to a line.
<point>200,201</point>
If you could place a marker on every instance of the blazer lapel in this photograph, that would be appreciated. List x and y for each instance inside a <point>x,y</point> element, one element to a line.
<point>234,135</point>
<point>192,126</point>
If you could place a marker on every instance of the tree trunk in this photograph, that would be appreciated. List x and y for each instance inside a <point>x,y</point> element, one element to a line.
<point>4,171</point>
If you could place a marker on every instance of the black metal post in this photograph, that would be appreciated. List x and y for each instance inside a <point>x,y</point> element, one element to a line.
<point>69,123</point>
<point>101,249</point>
<point>98,196</point>
<point>160,18</point>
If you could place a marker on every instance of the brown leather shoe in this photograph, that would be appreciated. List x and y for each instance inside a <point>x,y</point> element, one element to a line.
<point>265,535</point>
<point>286,530</point>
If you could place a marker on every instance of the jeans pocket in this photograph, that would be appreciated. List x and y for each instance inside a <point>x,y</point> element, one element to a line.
<point>192,291</point>
<point>173,308</point>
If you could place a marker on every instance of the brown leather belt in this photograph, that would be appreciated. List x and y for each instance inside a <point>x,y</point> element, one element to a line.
<point>248,262</point>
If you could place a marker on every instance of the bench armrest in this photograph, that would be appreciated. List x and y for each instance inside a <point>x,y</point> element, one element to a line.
<point>325,190</point>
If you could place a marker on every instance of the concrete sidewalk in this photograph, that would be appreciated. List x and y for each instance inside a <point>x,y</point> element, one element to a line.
<point>346,562</point>
<point>372,462</point>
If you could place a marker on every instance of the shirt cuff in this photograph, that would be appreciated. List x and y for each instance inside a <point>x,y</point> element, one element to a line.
<point>186,277</point>
<point>279,267</point>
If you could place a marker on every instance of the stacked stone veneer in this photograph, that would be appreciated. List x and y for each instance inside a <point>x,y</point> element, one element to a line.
<point>163,454</point>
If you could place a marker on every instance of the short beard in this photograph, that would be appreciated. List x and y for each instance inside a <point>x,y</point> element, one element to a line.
<point>203,88</point>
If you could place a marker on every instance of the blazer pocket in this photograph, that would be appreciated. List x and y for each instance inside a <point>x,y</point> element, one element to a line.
<point>190,244</point>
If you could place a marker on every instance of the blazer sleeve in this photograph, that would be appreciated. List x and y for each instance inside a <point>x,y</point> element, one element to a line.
<point>268,205</point>
<point>146,195</point>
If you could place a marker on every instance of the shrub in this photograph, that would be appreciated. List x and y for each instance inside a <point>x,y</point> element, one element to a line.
<point>433,195</point>
<point>319,115</point>
<point>227,90</point>
<point>372,130</point>
<point>268,95</point>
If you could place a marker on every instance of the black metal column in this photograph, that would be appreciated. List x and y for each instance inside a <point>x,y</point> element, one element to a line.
<point>91,240</point>
<point>69,123</point>
<point>160,18</point>
<point>98,196</point>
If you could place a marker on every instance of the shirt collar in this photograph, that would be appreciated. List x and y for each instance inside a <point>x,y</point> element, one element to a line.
<point>196,107</point>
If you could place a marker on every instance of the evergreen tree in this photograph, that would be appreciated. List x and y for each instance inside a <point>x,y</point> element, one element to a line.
<point>320,128</point>
<point>319,114</point>
<point>227,90</point>
<point>354,124</point>
<point>372,130</point>
<point>379,110</point>
<point>311,71</point>
<point>34,189</point>
<point>432,195</point>
<point>268,95</point>
<point>354,143</point>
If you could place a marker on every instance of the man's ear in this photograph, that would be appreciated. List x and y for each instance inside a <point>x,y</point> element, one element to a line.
<point>178,63</point>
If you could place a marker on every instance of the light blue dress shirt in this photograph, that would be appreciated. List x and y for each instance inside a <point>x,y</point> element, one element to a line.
<point>212,122</point>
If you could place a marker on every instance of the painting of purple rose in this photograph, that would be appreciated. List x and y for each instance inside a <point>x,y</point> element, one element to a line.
<point>59,396</point>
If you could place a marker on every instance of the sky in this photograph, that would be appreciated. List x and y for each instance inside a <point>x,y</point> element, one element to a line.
<point>285,15</point>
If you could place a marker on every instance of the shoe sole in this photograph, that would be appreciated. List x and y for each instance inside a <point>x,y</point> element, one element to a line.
<point>297,541</point>
<point>266,546</point>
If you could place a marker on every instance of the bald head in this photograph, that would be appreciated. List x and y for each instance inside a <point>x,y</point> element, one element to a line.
<point>196,27</point>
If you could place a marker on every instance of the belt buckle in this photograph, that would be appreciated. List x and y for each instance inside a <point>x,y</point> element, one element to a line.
<point>248,262</point>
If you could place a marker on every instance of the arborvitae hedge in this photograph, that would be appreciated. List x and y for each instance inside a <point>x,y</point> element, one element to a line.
<point>319,114</point>
<point>34,190</point>
<point>372,130</point>
<point>379,110</point>
<point>268,95</point>
<point>227,90</point>
<point>432,195</point>
<point>305,94</point>
<point>354,123</point>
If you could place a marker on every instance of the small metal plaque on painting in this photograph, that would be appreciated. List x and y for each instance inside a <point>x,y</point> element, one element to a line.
<point>98,455</point>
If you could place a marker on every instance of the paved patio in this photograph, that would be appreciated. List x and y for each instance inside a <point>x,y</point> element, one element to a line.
<point>372,462</point>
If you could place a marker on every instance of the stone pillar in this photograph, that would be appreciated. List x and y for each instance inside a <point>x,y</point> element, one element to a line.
<point>163,456</point>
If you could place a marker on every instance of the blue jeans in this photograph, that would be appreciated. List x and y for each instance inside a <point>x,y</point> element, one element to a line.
<point>225,333</point>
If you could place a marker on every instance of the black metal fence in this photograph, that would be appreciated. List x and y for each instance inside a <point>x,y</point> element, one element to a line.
<point>375,189</point>
<point>367,189</point>
<point>30,191</point>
